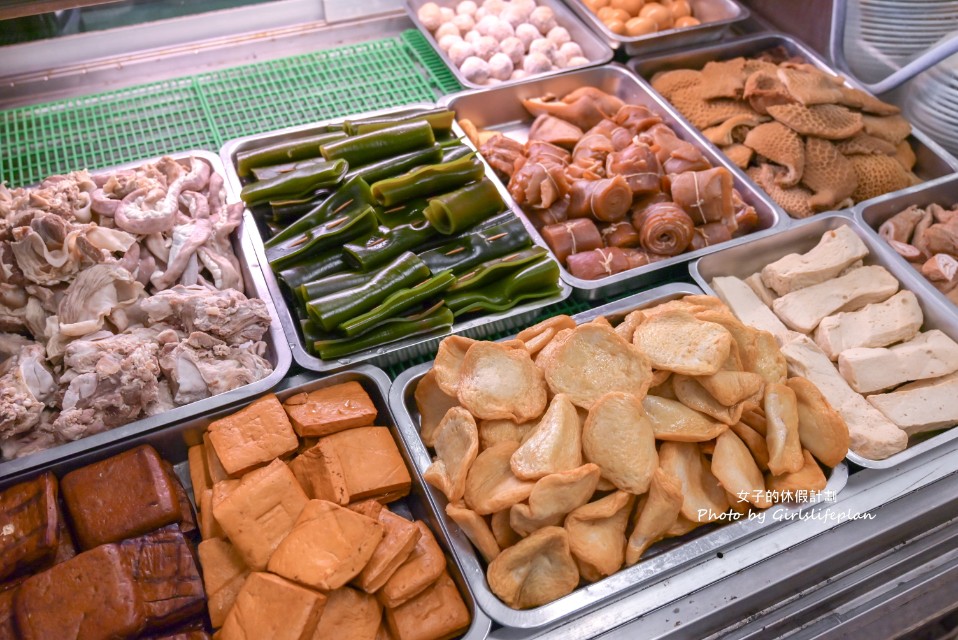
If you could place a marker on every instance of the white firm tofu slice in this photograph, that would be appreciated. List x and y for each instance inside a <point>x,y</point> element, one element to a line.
<point>929,355</point>
<point>764,294</point>
<point>921,406</point>
<point>836,251</point>
<point>743,302</point>
<point>875,325</point>
<point>872,435</point>
<point>802,310</point>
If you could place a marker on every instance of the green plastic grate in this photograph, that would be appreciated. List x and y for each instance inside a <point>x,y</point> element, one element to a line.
<point>206,110</point>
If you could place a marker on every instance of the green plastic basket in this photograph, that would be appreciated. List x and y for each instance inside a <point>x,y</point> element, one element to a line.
<point>206,110</point>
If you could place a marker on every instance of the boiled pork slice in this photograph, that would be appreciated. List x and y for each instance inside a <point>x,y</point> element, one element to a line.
<point>226,315</point>
<point>202,366</point>
<point>26,386</point>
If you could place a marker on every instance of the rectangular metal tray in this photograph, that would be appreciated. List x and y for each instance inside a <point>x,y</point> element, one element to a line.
<point>278,352</point>
<point>665,556</point>
<point>593,47</point>
<point>174,443</point>
<point>873,213</point>
<point>395,352</point>
<point>747,259</point>
<point>717,17</point>
<point>501,109</point>
<point>933,161</point>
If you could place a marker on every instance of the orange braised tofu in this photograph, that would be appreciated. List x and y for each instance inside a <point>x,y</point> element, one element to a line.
<point>326,411</point>
<point>213,464</point>
<point>224,573</point>
<point>270,607</point>
<point>438,613</point>
<point>423,567</point>
<point>253,436</point>
<point>399,539</point>
<point>328,546</point>
<point>260,511</point>
<point>349,615</point>
<point>120,497</point>
<point>199,470</point>
<point>360,463</point>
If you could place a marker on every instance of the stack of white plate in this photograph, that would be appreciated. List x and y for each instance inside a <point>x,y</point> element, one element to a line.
<point>932,103</point>
<point>902,29</point>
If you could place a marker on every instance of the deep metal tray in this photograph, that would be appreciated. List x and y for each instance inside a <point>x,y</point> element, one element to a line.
<point>174,443</point>
<point>394,352</point>
<point>501,109</point>
<point>873,213</point>
<point>664,556</point>
<point>278,352</point>
<point>593,47</point>
<point>933,161</point>
<point>747,259</point>
<point>717,18</point>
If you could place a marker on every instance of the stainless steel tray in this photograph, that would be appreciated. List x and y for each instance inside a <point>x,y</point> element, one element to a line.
<point>747,259</point>
<point>174,443</point>
<point>593,47</point>
<point>873,213</point>
<point>665,556</point>
<point>388,354</point>
<point>501,109</point>
<point>717,18</point>
<point>278,352</point>
<point>933,160</point>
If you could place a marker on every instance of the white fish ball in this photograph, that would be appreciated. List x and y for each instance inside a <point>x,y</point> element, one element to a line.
<point>472,36</point>
<point>570,49</point>
<point>519,74</point>
<point>543,19</point>
<point>475,70</point>
<point>446,42</point>
<point>464,22</point>
<point>460,51</point>
<point>446,14</point>
<point>526,7</point>
<point>500,66</point>
<point>467,7</point>
<point>576,61</point>
<point>559,35</point>
<point>430,16</point>
<point>513,15</point>
<point>544,46</point>
<point>486,47</point>
<point>536,63</point>
<point>446,29</point>
<point>513,48</point>
<point>527,33</point>
<point>501,30</point>
<point>486,25</point>
<point>493,6</point>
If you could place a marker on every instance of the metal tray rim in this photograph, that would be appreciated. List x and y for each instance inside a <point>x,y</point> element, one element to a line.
<point>907,279</point>
<point>594,289</point>
<point>670,38</point>
<point>400,348</point>
<point>20,466</point>
<point>600,592</point>
<point>567,19</point>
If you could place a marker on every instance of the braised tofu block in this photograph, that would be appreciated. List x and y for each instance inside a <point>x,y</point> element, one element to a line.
<point>423,567</point>
<point>349,615</point>
<point>360,463</point>
<point>326,411</point>
<point>187,516</point>
<point>93,595</point>
<point>29,524</point>
<point>328,546</point>
<point>399,539</point>
<point>121,497</point>
<point>258,513</point>
<point>253,436</point>
<point>199,470</point>
<point>166,575</point>
<point>271,607</point>
<point>213,465</point>
<point>224,574</point>
<point>435,614</point>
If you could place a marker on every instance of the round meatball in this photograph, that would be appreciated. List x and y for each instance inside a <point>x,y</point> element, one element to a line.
<point>430,16</point>
<point>513,48</point>
<point>460,51</point>
<point>545,47</point>
<point>472,36</point>
<point>536,63</point>
<point>513,15</point>
<point>559,35</point>
<point>493,6</point>
<point>446,29</point>
<point>527,33</point>
<point>446,14</point>
<point>486,47</point>
<point>501,30</point>
<point>543,19</point>
<point>446,42</point>
<point>519,74</point>
<point>570,50</point>
<point>466,7</point>
<point>463,22</point>
<point>576,61</point>
<point>525,7</point>
<point>500,66</point>
<point>487,24</point>
<point>475,70</point>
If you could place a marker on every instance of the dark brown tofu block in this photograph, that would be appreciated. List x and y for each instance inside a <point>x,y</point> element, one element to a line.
<point>188,516</point>
<point>29,524</point>
<point>165,573</point>
<point>91,596</point>
<point>121,497</point>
